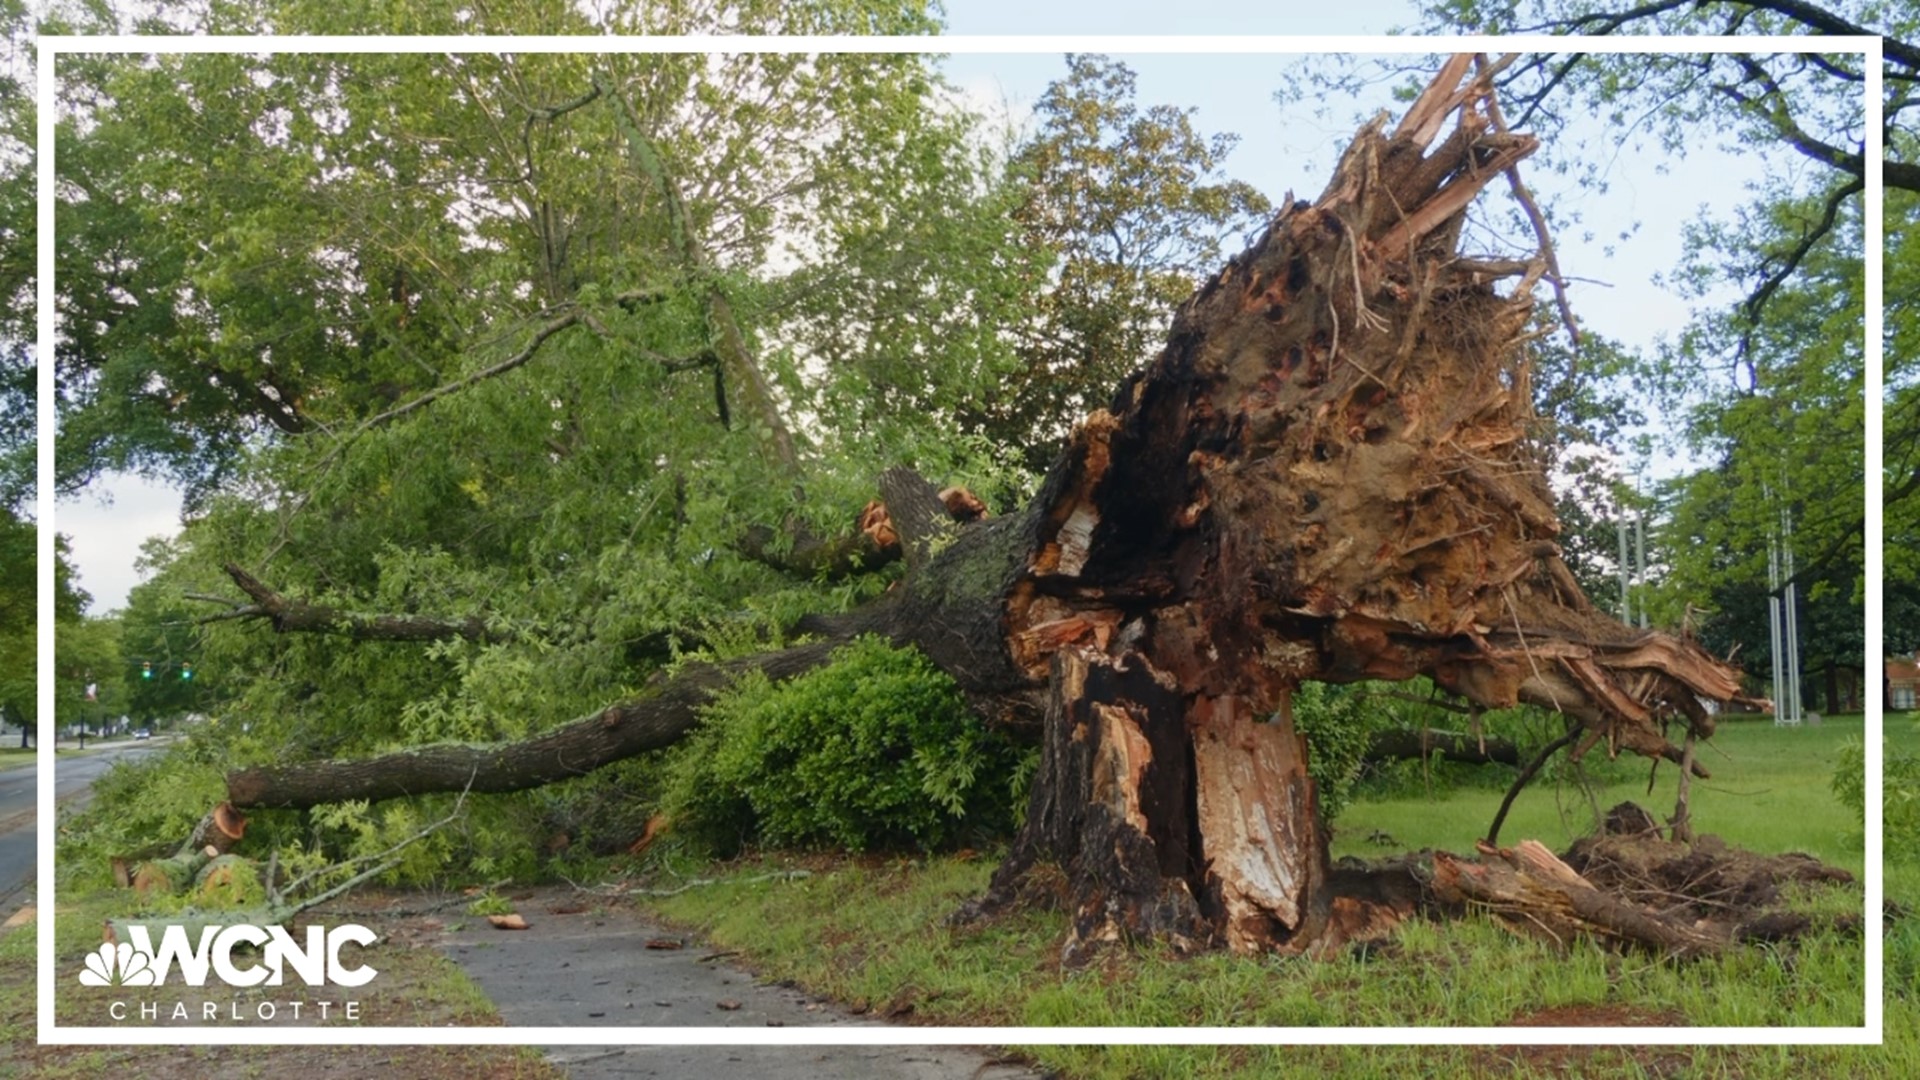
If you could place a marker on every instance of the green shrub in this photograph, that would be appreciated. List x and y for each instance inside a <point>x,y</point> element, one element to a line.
<point>1338,723</point>
<point>1900,793</point>
<point>135,805</point>
<point>875,750</point>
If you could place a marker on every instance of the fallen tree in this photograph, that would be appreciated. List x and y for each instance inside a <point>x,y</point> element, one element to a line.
<point>1327,474</point>
<point>1408,744</point>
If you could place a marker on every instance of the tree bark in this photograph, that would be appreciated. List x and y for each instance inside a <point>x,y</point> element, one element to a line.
<point>616,733</point>
<point>1328,474</point>
<point>289,614</point>
<point>1532,890</point>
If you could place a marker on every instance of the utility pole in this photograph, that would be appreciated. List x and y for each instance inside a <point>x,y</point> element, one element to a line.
<point>1794,713</point>
<point>1626,601</point>
<point>1640,553</point>
<point>1783,625</point>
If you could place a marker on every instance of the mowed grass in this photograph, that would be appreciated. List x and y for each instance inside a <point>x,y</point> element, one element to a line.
<point>1771,791</point>
<point>872,932</point>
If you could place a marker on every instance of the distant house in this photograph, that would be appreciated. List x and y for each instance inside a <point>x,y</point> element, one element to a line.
<point>1903,683</point>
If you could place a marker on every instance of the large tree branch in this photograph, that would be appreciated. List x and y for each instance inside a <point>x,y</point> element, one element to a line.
<point>729,342</point>
<point>908,520</point>
<point>916,513</point>
<point>1808,15</point>
<point>1826,22</point>
<point>288,614</point>
<point>809,556</point>
<point>619,731</point>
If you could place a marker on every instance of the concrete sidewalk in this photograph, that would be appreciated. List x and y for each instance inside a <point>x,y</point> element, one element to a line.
<point>611,968</point>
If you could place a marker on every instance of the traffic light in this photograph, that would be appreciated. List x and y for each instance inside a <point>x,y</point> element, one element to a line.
<point>146,669</point>
<point>186,672</point>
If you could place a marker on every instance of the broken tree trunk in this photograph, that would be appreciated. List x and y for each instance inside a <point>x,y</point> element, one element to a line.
<point>1529,887</point>
<point>1327,474</point>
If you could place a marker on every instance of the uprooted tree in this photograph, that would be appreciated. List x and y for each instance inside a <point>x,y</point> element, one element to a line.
<point>1326,474</point>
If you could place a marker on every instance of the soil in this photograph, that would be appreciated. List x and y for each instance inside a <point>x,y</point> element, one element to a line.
<point>1574,1061</point>
<point>1736,892</point>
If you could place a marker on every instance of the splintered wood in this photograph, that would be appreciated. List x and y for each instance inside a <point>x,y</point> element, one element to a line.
<point>1330,473</point>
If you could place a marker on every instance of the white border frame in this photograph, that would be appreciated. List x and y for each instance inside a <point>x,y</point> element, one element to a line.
<point>52,47</point>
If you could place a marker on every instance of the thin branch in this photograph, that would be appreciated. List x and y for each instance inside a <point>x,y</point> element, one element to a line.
<point>1826,22</point>
<point>1539,222</point>
<point>1526,777</point>
<point>387,861</point>
<point>1402,695</point>
<point>209,598</point>
<point>538,339</point>
<point>700,883</point>
<point>1539,97</point>
<point>1820,61</point>
<point>1750,309</point>
<point>289,614</point>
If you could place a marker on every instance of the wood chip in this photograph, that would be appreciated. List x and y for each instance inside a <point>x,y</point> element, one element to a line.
<point>728,1004</point>
<point>665,943</point>
<point>507,922</point>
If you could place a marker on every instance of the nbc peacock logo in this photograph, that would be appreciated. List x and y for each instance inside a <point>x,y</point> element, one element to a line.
<point>142,961</point>
<point>118,965</point>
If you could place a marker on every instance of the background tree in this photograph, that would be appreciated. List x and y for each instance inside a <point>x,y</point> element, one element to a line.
<point>18,223</point>
<point>87,689</point>
<point>19,622</point>
<point>161,676</point>
<point>1789,385</point>
<point>529,345</point>
<point>19,700</point>
<point>1135,207</point>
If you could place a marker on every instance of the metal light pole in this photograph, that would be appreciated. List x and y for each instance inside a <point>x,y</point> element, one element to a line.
<point>1626,601</point>
<point>1774,631</point>
<point>1640,553</point>
<point>1794,712</point>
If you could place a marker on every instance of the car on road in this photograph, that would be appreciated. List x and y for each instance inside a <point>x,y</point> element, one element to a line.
<point>142,733</point>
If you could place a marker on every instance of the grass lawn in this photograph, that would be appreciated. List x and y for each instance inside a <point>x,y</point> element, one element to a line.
<point>1771,791</point>
<point>871,931</point>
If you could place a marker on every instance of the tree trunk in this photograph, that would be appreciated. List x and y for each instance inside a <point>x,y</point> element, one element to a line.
<point>1407,745</point>
<point>1327,474</point>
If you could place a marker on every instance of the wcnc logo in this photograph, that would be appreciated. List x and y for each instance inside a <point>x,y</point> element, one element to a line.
<point>317,963</point>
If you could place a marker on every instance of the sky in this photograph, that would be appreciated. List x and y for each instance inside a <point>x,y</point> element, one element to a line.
<point>1278,152</point>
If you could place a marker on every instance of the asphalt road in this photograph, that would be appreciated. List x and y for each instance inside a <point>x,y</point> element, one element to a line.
<point>72,776</point>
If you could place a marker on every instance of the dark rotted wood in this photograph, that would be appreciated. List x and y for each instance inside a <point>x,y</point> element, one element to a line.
<point>1112,807</point>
